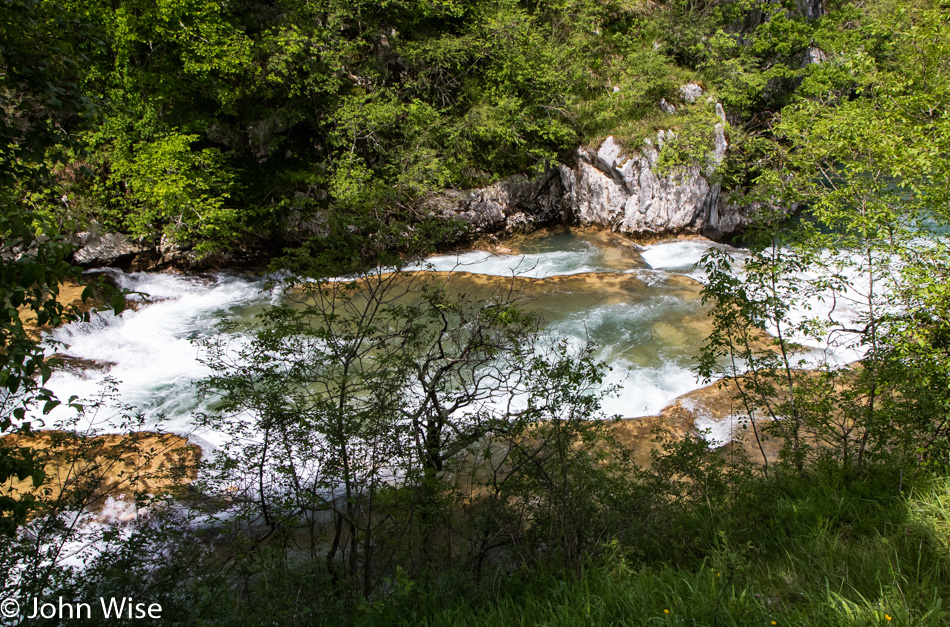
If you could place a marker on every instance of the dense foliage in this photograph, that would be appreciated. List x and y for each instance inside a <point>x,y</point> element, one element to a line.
<point>400,452</point>
<point>215,123</point>
<point>38,98</point>
<point>221,122</point>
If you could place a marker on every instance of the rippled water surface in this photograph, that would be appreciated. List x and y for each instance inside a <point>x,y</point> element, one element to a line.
<point>640,306</point>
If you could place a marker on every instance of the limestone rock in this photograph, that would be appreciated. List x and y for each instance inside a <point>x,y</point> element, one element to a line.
<point>720,112</point>
<point>104,249</point>
<point>714,159</point>
<point>733,213</point>
<point>171,252</point>
<point>484,210</point>
<point>811,9</point>
<point>625,194</point>
<point>814,56</point>
<point>513,205</point>
<point>612,187</point>
<point>691,92</point>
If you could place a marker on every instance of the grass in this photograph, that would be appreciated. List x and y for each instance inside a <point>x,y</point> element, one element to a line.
<point>838,556</point>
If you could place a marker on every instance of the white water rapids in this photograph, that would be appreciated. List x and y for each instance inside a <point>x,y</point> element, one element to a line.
<point>640,306</point>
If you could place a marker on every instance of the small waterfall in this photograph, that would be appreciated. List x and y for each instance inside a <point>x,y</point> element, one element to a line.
<point>148,349</point>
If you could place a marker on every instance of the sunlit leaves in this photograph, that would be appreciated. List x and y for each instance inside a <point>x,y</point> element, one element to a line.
<point>170,184</point>
<point>860,148</point>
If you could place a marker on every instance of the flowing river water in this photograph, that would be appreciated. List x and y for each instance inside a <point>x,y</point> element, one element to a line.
<point>641,306</point>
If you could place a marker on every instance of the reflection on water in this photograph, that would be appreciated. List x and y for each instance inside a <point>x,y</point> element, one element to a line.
<point>642,309</point>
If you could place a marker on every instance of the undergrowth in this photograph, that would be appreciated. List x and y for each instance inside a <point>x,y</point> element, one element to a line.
<point>795,553</point>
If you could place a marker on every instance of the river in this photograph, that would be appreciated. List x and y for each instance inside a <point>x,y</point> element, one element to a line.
<point>640,305</point>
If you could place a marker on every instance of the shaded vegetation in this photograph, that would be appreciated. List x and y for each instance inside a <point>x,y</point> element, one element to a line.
<point>398,452</point>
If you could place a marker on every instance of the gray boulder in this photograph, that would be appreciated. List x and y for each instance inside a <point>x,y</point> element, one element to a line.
<point>105,249</point>
<point>517,204</point>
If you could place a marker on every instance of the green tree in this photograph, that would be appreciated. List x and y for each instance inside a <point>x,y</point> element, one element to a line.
<point>39,104</point>
<point>862,150</point>
<point>374,400</point>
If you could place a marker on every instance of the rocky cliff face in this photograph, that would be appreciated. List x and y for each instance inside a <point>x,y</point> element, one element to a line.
<point>610,188</point>
<point>625,193</point>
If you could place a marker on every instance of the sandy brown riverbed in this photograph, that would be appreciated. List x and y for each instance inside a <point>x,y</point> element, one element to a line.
<point>87,470</point>
<point>70,295</point>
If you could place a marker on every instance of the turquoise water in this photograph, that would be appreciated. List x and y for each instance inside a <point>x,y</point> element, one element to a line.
<point>640,306</point>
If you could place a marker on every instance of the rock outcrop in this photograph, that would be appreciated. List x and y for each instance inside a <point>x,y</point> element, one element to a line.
<point>613,188</point>
<point>514,205</point>
<point>626,194</point>
<point>691,92</point>
<point>811,9</point>
<point>95,248</point>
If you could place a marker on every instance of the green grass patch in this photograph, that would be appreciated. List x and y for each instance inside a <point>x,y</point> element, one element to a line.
<point>834,555</point>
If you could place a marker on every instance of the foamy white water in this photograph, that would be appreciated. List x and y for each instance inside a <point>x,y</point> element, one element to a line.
<point>648,332</point>
<point>841,309</point>
<point>578,258</point>
<point>149,349</point>
<point>534,266</point>
<point>681,255</point>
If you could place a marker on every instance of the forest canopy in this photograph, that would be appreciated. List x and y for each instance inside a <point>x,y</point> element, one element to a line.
<point>213,123</point>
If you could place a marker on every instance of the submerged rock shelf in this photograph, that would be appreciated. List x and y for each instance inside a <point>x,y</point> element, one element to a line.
<point>639,305</point>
